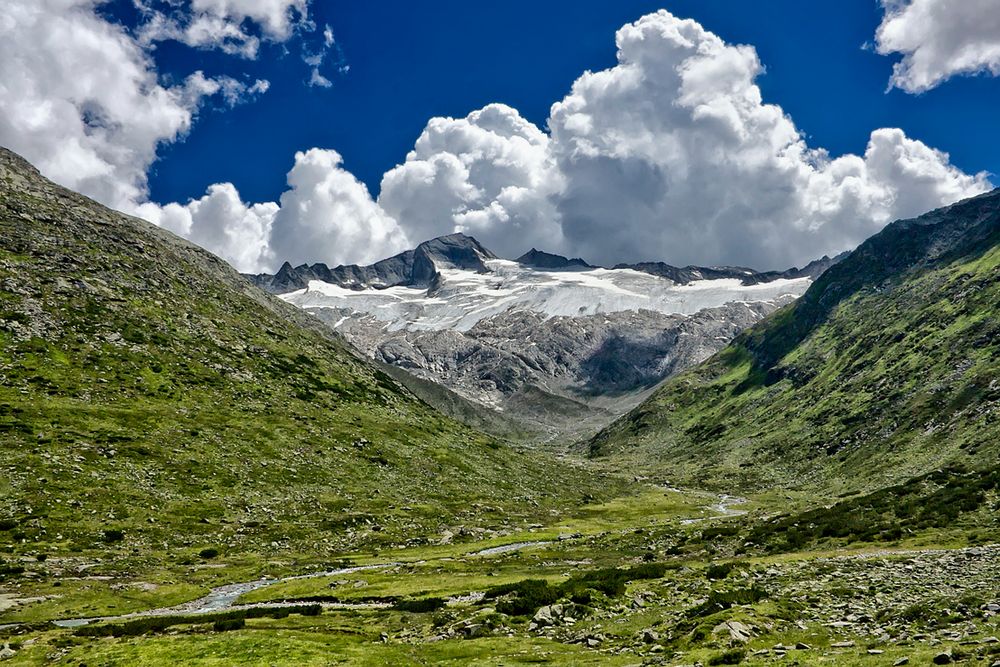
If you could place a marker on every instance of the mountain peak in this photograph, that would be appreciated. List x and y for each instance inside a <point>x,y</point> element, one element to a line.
<point>546,260</point>
<point>453,251</point>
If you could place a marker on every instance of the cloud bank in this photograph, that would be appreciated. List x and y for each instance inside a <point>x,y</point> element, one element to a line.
<point>939,39</point>
<point>672,154</point>
<point>81,99</point>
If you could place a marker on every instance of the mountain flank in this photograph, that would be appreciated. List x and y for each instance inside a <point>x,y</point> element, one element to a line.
<point>154,400</point>
<point>885,369</point>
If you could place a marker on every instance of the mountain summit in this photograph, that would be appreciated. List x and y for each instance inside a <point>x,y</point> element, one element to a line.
<point>412,268</point>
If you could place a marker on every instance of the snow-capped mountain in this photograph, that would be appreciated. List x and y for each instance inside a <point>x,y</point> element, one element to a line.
<point>559,343</point>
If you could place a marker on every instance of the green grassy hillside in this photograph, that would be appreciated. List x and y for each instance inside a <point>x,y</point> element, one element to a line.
<point>152,400</point>
<point>887,368</point>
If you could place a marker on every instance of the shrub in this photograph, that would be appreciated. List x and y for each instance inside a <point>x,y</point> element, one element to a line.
<point>421,606</point>
<point>7,524</point>
<point>935,500</point>
<point>733,657</point>
<point>719,600</point>
<point>10,569</point>
<point>227,624</point>
<point>153,624</point>
<point>528,596</point>
<point>718,571</point>
<point>112,535</point>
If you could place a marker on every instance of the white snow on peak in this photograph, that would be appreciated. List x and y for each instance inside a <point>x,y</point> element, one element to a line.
<point>463,297</point>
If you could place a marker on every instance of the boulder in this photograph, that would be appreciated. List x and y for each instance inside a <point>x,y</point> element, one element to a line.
<point>738,632</point>
<point>548,615</point>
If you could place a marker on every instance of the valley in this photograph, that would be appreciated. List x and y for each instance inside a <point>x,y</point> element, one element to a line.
<point>699,600</point>
<point>194,471</point>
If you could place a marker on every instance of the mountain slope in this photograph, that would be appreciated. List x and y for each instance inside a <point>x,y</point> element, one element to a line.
<point>148,388</point>
<point>885,369</point>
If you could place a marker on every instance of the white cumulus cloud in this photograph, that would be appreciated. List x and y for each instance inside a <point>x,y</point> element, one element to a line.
<point>82,101</point>
<point>939,39</point>
<point>489,174</point>
<point>222,24</point>
<point>670,155</point>
<point>221,222</point>
<point>673,155</point>
<point>327,215</point>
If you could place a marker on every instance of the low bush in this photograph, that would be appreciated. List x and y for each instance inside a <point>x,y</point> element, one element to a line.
<point>719,600</point>
<point>113,535</point>
<point>421,606</point>
<point>525,597</point>
<point>153,624</point>
<point>718,571</point>
<point>733,657</point>
<point>934,500</point>
<point>227,624</point>
<point>10,569</point>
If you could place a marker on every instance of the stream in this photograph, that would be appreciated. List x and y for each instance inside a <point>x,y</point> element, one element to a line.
<point>223,598</point>
<point>723,508</point>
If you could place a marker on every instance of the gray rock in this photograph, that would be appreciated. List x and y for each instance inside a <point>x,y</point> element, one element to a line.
<point>548,615</point>
<point>738,632</point>
<point>943,658</point>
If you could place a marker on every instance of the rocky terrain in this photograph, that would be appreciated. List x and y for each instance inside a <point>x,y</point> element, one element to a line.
<point>555,344</point>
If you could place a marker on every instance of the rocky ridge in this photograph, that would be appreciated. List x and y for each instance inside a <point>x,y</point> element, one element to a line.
<point>562,345</point>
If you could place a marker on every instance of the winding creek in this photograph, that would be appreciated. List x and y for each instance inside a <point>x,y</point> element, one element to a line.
<point>223,598</point>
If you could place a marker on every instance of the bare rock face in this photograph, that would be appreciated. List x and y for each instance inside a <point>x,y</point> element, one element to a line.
<point>551,373</point>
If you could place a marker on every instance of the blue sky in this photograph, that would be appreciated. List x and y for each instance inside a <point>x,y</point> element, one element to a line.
<point>411,61</point>
<point>764,134</point>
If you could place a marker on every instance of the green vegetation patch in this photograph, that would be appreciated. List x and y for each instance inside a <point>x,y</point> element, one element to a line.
<point>227,620</point>
<point>525,597</point>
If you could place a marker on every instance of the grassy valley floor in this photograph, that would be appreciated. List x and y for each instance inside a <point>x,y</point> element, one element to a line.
<point>656,576</point>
